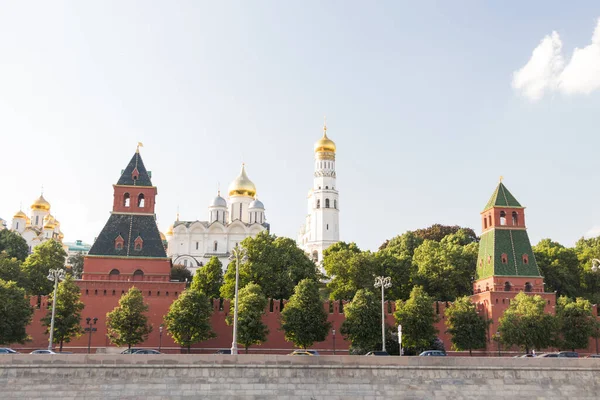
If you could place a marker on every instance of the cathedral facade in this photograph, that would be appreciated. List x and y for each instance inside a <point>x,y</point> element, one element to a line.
<point>193,243</point>
<point>321,228</point>
<point>37,227</point>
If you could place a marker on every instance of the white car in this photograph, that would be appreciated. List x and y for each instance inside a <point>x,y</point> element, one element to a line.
<point>42,352</point>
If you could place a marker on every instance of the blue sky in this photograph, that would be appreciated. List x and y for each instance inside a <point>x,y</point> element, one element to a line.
<point>420,98</point>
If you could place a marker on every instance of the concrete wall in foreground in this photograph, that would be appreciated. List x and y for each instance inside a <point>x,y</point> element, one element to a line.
<point>286,377</point>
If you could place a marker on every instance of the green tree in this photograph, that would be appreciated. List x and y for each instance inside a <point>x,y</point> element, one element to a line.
<point>559,267</point>
<point>67,321</point>
<point>209,279</point>
<point>416,315</point>
<point>274,263</point>
<point>304,319</point>
<point>576,322</point>
<point>15,313</point>
<point>46,256</point>
<point>406,243</point>
<point>467,328</point>
<point>127,323</point>
<point>437,232</point>
<point>351,270</point>
<point>13,244</point>
<point>446,268</point>
<point>180,273</point>
<point>362,326</point>
<point>251,308</point>
<point>10,270</point>
<point>587,250</point>
<point>76,263</point>
<point>188,319</point>
<point>526,324</point>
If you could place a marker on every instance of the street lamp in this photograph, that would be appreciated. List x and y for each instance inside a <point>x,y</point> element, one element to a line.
<point>160,331</point>
<point>55,275</point>
<point>237,254</point>
<point>384,282</point>
<point>333,331</point>
<point>90,329</point>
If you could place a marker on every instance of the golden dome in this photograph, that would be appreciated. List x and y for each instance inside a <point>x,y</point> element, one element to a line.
<point>61,235</point>
<point>28,223</point>
<point>169,232</point>
<point>162,236</point>
<point>242,185</point>
<point>325,144</point>
<point>20,214</point>
<point>49,225</point>
<point>41,204</point>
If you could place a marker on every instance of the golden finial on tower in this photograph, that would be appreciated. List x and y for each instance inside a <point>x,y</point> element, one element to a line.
<point>324,125</point>
<point>501,178</point>
<point>177,213</point>
<point>140,144</point>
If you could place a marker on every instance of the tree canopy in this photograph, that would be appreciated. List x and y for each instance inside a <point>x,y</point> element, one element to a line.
<point>251,308</point>
<point>304,319</point>
<point>362,326</point>
<point>11,270</point>
<point>559,267</point>
<point>127,323</point>
<point>576,322</point>
<point>67,321</point>
<point>13,244</point>
<point>209,278</point>
<point>417,316</point>
<point>46,256</point>
<point>468,329</point>
<point>180,273</point>
<point>76,263</point>
<point>188,319</point>
<point>15,313</point>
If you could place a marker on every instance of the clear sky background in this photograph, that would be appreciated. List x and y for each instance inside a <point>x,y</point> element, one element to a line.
<point>428,103</point>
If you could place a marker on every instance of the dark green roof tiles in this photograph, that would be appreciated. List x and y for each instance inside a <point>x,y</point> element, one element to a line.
<point>502,198</point>
<point>141,178</point>
<point>520,260</point>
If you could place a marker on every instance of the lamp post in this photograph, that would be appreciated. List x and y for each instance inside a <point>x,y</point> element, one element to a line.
<point>595,264</point>
<point>236,254</point>
<point>497,339</point>
<point>90,329</point>
<point>400,339</point>
<point>160,331</point>
<point>384,282</point>
<point>55,275</point>
<point>333,331</point>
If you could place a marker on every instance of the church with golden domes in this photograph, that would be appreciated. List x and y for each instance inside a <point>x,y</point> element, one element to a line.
<point>193,243</point>
<point>39,226</point>
<point>321,228</point>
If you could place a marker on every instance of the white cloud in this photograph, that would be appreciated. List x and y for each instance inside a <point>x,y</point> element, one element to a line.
<point>592,232</point>
<point>546,70</point>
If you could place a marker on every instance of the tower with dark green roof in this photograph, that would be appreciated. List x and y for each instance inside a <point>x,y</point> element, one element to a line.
<point>506,261</point>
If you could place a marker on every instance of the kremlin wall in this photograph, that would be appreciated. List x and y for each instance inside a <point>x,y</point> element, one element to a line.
<point>130,251</point>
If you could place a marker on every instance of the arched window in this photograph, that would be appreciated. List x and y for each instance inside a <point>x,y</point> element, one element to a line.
<point>138,275</point>
<point>484,222</point>
<point>216,246</point>
<point>507,287</point>
<point>335,204</point>
<point>504,258</point>
<point>141,200</point>
<point>525,259</point>
<point>515,218</point>
<point>318,203</point>
<point>315,256</point>
<point>126,200</point>
<point>528,287</point>
<point>489,220</point>
<point>114,275</point>
<point>502,218</point>
<point>326,203</point>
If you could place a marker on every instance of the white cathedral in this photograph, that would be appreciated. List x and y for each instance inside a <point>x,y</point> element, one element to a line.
<point>321,228</point>
<point>193,243</point>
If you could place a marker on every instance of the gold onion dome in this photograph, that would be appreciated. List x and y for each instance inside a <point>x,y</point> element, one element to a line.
<point>162,236</point>
<point>169,231</point>
<point>325,144</point>
<point>242,185</point>
<point>41,204</point>
<point>49,225</point>
<point>20,214</point>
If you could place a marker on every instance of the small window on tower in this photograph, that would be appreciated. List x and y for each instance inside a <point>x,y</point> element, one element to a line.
<point>138,243</point>
<point>504,258</point>
<point>335,204</point>
<point>502,218</point>
<point>327,226</point>
<point>141,200</point>
<point>126,200</point>
<point>326,203</point>
<point>318,203</point>
<point>525,259</point>
<point>326,187</point>
<point>215,246</point>
<point>515,218</point>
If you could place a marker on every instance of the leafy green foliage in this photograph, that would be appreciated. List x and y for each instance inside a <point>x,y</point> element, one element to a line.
<point>362,326</point>
<point>304,319</point>
<point>209,279</point>
<point>276,264</point>
<point>350,270</point>
<point>46,256</point>
<point>188,319</point>
<point>15,313</point>
<point>13,244</point>
<point>251,308</point>
<point>467,328</point>
<point>437,232</point>
<point>128,324</point>
<point>10,270</point>
<point>416,315</point>
<point>576,322</point>
<point>67,320</point>
<point>180,273</point>
<point>559,267</point>
<point>76,263</point>
<point>525,324</point>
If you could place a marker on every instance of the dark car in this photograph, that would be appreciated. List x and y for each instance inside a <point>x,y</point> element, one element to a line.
<point>147,351</point>
<point>549,355</point>
<point>433,353</point>
<point>223,351</point>
<point>568,354</point>
<point>377,353</point>
<point>6,350</point>
<point>130,351</point>
<point>593,356</point>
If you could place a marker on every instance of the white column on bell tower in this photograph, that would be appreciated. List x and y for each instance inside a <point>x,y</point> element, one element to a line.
<point>321,229</point>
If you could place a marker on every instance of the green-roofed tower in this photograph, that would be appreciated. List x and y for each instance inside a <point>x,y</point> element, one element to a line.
<point>506,261</point>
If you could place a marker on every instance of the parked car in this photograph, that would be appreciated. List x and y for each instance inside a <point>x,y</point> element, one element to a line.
<point>304,353</point>
<point>377,353</point>
<point>223,351</point>
<point>130,351</point>
<point>46,351</point>
<point>568,354</point>
<point>6,350</point>
<point>549,355</point>
<point>433,353</point>
<point>593,356</point>
<point>528,355</point>
<point>146,351</point>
